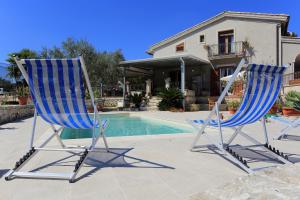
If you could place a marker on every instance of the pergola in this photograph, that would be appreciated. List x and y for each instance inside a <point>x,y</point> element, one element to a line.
<point>145,67</point>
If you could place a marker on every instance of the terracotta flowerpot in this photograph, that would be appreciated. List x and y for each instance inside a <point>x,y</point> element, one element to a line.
<point>231,111</point>
<point>290,112</point>
<point>180,110</point>
<point>90,109</point>
<point>99,107</point>
<point>23,100</point>
<point>273,110</point>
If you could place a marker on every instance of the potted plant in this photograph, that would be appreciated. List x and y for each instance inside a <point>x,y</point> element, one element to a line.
<point>291,104</point>
<point>211,101</point>
<point>90,108</point>
<point>99,106</point>
<point>136,99</point>
<point>171,100</point>
<point>233,106</point>
<point>23,93</point>
<point>274,108</point>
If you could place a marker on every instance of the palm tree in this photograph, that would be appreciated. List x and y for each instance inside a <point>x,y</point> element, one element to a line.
<point>13,71</point>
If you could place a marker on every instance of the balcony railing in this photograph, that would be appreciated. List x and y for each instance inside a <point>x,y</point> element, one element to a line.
<point>291,78</point>
<point>226,50</point>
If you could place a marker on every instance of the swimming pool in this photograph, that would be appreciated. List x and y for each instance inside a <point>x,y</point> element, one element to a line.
<point>127,125</point>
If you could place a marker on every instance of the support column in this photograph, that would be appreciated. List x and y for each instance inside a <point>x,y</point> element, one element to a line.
<point>124,85</point>
<point>127,87</point>
<point>182,69</point>
<point>167,82</point>
<point>148,87</point>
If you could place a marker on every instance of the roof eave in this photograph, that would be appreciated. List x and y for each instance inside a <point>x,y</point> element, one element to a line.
<point>272,17</point>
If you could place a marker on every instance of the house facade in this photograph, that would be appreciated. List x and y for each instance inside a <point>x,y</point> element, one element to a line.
<point>196,58</point>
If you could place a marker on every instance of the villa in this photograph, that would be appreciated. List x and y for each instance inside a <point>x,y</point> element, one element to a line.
<point>69,132</point>
<point>195,59</point>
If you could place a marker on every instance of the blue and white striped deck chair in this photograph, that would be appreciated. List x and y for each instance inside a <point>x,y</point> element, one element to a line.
<point>290,124</point>
<point>57,90</point>
<point>263,87</point>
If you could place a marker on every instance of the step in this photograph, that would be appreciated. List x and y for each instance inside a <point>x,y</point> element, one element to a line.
<point>152,104</point>
<point>154,100</point>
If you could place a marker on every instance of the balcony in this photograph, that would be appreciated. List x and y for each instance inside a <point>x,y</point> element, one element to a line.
<point>226,50</point>
<point>291,79</point>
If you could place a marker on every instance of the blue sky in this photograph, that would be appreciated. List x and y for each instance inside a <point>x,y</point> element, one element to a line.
<point>131,25</point>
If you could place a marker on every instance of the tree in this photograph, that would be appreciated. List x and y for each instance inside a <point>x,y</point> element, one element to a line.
<point>55,52</point>
<point>7,85</point>
<point>102,67</point>
<point>73,48</point>
<point>13,71</point>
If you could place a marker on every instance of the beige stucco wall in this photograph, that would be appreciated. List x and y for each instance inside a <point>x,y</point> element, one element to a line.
<point>290,49</point>
<point>288,88</point>
<point>260,34</point>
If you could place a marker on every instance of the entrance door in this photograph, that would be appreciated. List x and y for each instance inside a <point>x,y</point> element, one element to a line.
<point>197,84</point>
<point>214,83</point>
<point>175,78</point>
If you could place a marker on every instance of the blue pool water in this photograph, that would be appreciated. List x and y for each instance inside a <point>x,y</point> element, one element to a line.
<point>126,125</point>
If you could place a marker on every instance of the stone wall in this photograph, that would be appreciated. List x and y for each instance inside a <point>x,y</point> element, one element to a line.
<point>10,113</point>
<point>107,102</point>
<point>112,101</point>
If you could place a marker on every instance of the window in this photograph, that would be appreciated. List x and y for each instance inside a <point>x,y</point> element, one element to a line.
<point>202,38</point>
<point>180,47</point>
<point>226,71</point>
<point>226,42</point>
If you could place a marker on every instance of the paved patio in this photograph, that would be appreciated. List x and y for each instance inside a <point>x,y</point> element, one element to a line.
<point>139,167</point>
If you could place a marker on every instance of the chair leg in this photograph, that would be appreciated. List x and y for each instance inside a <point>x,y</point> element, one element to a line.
<point>236,132</point>
<point>78,165</point>
<point>254,141</point>
<point>232,157</point>
<point>105,142</point>
<point>219,124</point>
<point>25,159</point>
<point>265,130</point>
<point>283,133</point>
<point>57,131</point>
<point>199,133</point>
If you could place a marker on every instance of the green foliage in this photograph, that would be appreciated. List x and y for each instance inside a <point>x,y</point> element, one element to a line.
<point>22,91</point>
<point>13,71</point>
<point>292,100</point>
<point>233,105</point>
<point>101,66</point>
<point>136,99</point>
<point>7,85</point>
<point>171,98</point>
<point>96,94</point>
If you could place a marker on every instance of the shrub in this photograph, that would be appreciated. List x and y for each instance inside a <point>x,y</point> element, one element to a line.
<point>22,91</point>
<point>292,100</point>
<point>136,99</point>
<point>171,98</point>
<point>233,105</point>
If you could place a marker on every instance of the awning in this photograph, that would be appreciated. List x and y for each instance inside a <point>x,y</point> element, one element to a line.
<point>146,66</point>
<point>239,76</point>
